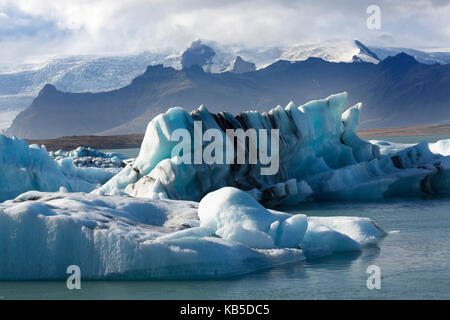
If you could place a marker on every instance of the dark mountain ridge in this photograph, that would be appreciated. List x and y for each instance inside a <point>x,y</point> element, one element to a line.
<point>399,91</point>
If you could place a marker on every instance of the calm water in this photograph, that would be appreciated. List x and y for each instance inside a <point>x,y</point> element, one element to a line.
<point>130,152</point>
<point>413,139</point>
<point>414,261</point>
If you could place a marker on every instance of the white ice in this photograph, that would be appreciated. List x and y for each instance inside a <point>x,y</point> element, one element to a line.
<point>236,215</point>
<point>441,147</point>
<point>24,168</point>
<point>120,237</point>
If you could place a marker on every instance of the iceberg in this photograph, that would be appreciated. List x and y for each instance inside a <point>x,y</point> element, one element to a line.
<point>24,168</point>
<point>89,157</point>
<point>388,147</point>
<point>121,237</point>
<point>328,235</point>
<point>82,152</point>
<point>320,158</point>
<point>441,147</point>
<point>236,215</point>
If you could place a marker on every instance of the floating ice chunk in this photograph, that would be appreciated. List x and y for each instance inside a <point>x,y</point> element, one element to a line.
<point>112,237</point>
<point>408,172</point>
<point>228,206</point>
<point>321,241</point>
<point>82,152</point>
<point>441,147</point>
<point>88,157</point>
<point>388,148</point>
<point>118,238</point>
<point>362,230</point>
<point>92,175</point>
<point>327,235</point>
<point>236,215</point>
<point>24,168</point>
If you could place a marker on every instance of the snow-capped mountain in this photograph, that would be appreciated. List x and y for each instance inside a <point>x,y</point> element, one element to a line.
<point>213,57</point>
<point>397,93</point>
<point>19,85</point>
<point>431,57</point>
<point>332,51</point>
<point>74,74</point>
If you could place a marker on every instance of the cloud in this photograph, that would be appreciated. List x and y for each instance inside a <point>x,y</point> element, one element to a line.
<point>3,17</point>
<point>48,27</point>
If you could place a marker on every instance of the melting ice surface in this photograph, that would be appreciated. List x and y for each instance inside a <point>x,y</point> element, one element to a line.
<point>321,158</point>
<point>117,237</point>
<point>161,219</point>
<point>24,168</point>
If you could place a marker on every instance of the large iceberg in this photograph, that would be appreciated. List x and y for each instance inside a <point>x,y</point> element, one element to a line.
<point>24,168</point>
<point>320,157</point>
<point>120,237</point>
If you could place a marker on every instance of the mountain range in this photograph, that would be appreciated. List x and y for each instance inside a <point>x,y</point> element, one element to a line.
<point>20,84</point>
<point>397,91</point>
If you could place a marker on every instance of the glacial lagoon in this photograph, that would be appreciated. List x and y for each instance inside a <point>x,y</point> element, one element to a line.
<point>413,259</point>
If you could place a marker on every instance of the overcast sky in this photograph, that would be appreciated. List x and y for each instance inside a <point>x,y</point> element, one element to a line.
<point>38,28</point>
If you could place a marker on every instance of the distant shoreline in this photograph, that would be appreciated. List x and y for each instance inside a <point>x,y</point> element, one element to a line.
<point>424,130</point>
<point>135,140</point>
<point>125,141</point>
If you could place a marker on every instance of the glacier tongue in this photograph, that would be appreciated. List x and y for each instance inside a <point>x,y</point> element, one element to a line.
<point>320,157</point>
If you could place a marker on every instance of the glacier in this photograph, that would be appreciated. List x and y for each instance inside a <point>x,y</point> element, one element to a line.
<point>121,237</point>
<point>24,168</point>
<point>320,158</point>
